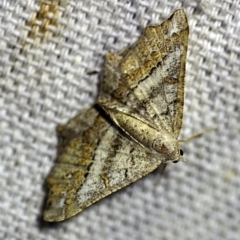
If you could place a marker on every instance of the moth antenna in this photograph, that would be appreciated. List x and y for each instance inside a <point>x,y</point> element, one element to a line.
<point>199,134</point>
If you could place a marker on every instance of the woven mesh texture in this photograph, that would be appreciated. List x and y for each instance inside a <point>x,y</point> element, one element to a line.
<point>47,49</point>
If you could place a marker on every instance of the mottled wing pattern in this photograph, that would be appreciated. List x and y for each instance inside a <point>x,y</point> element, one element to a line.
<point>95,159</point>
<point>113,92</point>
<point>149,76</point>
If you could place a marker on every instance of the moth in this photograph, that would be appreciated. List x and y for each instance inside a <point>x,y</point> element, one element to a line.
<point>132,129</point>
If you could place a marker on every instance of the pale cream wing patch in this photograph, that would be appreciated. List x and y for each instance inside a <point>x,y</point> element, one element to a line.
<point>95,159</point>
<point>149,75</point>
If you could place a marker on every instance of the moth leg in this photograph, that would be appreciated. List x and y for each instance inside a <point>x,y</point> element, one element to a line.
<point>162,170</point>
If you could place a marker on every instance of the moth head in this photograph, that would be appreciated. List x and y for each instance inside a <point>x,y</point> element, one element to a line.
<point>181,158</point>
<point>169,149</point>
